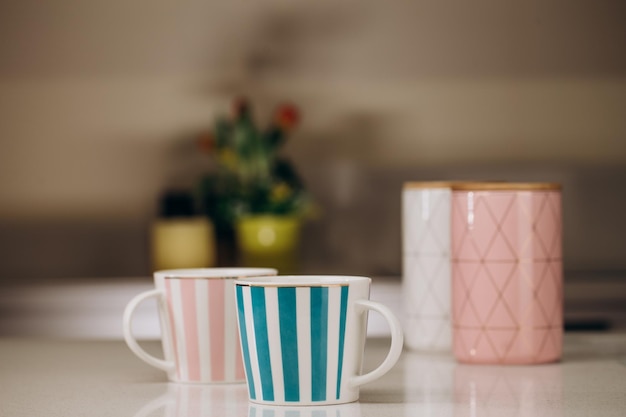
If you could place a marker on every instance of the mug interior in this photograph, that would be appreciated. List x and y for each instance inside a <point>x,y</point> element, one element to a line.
<point>300,280</point>
<point>221,273</point>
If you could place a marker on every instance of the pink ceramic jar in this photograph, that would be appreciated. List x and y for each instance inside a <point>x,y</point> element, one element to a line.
<point>507,280</point>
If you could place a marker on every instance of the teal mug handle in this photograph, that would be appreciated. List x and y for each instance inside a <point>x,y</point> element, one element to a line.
<point>397,340</point>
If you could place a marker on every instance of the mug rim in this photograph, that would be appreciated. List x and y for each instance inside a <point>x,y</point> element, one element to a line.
<point>301,281</point>
<point>214,273</point>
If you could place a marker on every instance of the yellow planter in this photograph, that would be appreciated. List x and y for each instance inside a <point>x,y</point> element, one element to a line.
<point>183,243</point>
<point>269,241</point>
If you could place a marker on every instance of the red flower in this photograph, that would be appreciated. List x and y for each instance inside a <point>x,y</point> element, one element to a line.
<point>287,116</point>
<point>205,142</point>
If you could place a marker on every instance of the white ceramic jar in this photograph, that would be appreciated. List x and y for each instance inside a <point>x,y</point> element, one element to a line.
<point>426,265</point>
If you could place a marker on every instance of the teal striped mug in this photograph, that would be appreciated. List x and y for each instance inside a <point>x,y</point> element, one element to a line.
<point>303,337</point>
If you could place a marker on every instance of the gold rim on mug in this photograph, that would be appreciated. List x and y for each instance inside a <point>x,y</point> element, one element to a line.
<point>284,283</point>
<point>229,273</point>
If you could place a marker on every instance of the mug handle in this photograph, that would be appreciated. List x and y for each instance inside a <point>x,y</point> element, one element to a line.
<point>128,333</point>
<point>397,339</point>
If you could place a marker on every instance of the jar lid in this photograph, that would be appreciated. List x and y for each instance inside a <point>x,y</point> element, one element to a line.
<point>506,186</point>
<point>430,184</point>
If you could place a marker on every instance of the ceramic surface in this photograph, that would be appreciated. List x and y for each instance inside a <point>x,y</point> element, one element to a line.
<point>198,324</point>
<point>341,410</point>
<point>529,388</point>
<point>303,338</point>
<point>187,400</point>
<point>58,378</point>
<point>426,268</point>
<point>507,276</point>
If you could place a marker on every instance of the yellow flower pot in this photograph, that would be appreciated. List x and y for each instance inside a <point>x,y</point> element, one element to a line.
<point>270,241</point>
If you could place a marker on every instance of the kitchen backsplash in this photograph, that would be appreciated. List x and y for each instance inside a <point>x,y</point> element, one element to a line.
<point>358,231</point>
<point>100,101</point>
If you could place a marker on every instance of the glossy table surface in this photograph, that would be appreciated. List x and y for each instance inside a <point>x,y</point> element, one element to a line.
<point>103,378</point>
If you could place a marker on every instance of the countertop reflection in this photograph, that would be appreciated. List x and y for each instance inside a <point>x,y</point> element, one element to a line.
<point>61,378</point>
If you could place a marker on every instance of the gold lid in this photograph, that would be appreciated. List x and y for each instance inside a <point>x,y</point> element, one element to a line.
<point>507,186</point>
<point>430,184</point>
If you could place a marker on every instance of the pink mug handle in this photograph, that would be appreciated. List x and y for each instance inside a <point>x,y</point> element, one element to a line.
<point>128,333</point>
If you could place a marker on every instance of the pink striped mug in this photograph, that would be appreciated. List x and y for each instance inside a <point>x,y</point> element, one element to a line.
<point>198,324</point>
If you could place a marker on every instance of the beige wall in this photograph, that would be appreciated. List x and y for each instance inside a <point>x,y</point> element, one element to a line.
<point>99,101</point>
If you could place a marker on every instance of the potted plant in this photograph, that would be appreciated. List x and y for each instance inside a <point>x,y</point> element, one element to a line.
<point>253,194</point>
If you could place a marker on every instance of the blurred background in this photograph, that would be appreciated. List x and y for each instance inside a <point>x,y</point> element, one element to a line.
<point>101,103</point>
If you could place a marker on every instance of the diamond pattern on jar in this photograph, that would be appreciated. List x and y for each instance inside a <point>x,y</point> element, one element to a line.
<point>426,268</point>
<point>507,281</point>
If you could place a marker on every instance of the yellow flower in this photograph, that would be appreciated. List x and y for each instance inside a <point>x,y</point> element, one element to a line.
<point>228,158</point>
<point>280,192</point>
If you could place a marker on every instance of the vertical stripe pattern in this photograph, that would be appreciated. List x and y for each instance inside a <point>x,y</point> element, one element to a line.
<point>319,345</point>
<point>289,331</point>
<point>342,335</point>
<point>204,330</point>
<point>293,341</point>
<point>245,347</point>
<point>262,343</point>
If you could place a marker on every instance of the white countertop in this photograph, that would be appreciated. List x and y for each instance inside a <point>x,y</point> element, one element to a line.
<point>44,377</point>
